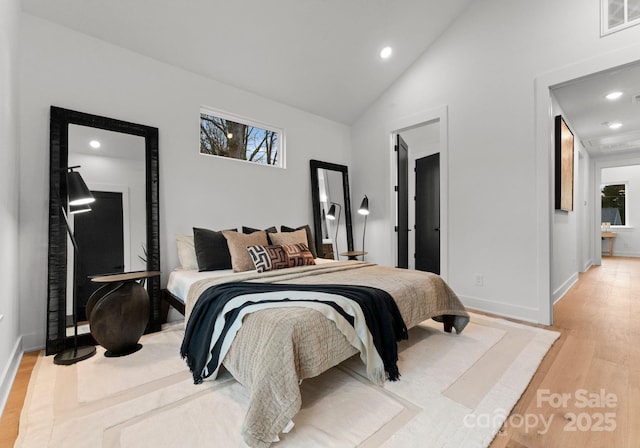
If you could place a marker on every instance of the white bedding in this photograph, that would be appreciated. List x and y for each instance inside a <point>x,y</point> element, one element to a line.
<point>181,280</point>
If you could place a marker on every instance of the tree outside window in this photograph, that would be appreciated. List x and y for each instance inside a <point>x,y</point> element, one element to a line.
<point>223,137</point>
<point>614,204</point>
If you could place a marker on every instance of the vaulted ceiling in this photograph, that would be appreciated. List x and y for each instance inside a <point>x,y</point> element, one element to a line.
<point>321,56</point>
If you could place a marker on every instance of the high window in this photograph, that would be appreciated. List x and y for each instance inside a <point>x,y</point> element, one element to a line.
<point>619,14</point>
<point>224,135</point>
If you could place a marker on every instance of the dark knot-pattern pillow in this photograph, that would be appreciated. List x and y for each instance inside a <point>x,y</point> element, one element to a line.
<point>299,255</point>
<point>269,258</point>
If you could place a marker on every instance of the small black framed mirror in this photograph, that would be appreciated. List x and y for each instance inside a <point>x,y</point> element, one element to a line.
<point>143,240</point>
<point>331,209</point>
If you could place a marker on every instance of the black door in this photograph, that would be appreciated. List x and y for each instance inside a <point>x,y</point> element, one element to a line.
<point>100,238</point>
<point>402,150</point>
<point>428,213</point>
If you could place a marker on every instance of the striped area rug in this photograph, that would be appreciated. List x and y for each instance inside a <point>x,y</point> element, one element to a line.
<point>455,390</point>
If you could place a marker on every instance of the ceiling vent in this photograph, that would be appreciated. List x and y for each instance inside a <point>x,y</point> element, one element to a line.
<point>614,143</point>
<point>618,147</point>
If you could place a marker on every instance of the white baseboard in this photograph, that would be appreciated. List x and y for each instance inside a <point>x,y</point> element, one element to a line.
<point>525,314</point>
<point>9,374</point>
<point>622,253</point>
<point>562,290</point>
<point>32,342</point>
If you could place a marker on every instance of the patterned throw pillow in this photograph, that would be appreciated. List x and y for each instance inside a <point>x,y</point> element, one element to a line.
<point>269,258</point>
<point>298,254</point>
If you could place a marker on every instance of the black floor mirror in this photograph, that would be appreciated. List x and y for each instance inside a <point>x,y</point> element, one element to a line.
<point>119,162</point>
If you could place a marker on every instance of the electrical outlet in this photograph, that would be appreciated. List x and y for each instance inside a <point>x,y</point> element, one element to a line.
<point>478,279</point>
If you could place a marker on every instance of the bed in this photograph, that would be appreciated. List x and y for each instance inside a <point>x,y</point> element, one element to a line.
<point>302,343</point>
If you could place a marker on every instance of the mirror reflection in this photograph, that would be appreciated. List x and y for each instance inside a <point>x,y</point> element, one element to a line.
<point>334,235</point>
<point>331,209</point>
<point>111,237</point>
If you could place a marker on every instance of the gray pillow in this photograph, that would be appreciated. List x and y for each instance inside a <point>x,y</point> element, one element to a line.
<point>212,251</point>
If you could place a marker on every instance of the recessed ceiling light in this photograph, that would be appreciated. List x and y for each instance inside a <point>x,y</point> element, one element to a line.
<point>95,144</point>
<point>614,95</point>
<point>615,125</point>
<point>385,53</point>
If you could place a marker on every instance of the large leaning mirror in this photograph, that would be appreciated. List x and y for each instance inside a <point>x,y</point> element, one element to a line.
<point>118,161</point>
<point>331,209</point>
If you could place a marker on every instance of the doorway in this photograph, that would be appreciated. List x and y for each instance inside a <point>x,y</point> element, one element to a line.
<point>425,196</point>
<point>427,210</point>
<point>98,232</point>
<point>546,87</point>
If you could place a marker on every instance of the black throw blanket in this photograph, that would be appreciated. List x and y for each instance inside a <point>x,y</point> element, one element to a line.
<point>382,316</point>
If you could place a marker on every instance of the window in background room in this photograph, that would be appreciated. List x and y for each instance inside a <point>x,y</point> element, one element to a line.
<point>618,14</point>
<point>614,203</point>
<point>225,135</point>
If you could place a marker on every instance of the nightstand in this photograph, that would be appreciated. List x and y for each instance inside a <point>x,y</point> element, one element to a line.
<point>118,312</point>
<point>354,254</point>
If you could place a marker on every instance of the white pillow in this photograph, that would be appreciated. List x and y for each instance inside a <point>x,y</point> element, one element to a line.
<point>187,252</point>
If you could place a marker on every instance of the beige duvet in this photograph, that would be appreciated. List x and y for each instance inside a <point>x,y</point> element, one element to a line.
<point>274,350</point>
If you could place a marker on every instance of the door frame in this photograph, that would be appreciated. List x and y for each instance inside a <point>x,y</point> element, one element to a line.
<point>628,159</point>
<point>543,160</point>
<point>439,114</point>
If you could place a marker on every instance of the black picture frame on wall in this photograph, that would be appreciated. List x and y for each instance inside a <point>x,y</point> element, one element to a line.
<point>564,165</point>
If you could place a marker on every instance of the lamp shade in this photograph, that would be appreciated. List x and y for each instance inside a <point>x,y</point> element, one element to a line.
<point>331,214</point>
<point>78,192</point>
<point>364,207</point>
<point>75,209</point>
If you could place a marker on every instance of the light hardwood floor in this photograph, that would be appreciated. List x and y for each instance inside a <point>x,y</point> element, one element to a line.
<point>11,415</point>
<point>598,353</point>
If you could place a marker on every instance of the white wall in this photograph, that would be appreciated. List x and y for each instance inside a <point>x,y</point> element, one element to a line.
<point>627,241</point>
<point>10,346</point>
<point>67,69</point>
<point>484,69</point>
<point>569,233</point>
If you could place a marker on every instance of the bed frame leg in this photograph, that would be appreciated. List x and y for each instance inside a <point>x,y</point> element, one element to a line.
<point>447,320</point>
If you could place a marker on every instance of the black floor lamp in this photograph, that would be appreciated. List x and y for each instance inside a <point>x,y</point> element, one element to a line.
<point>79,199</point>
<point>331,214</point>
<point>364,210</point>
